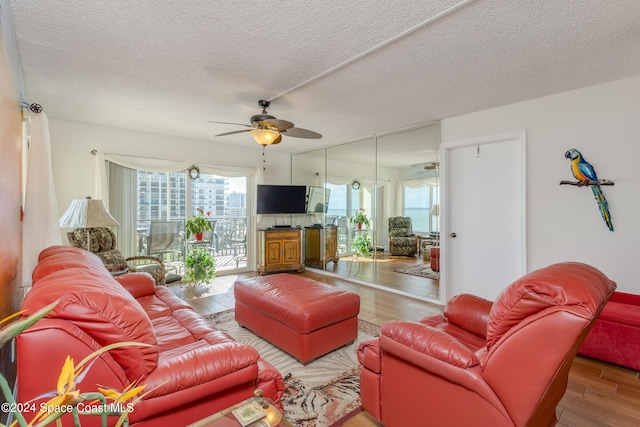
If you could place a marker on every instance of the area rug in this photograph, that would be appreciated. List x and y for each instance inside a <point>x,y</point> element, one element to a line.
<point>318,394</point>
<point>422,270</point>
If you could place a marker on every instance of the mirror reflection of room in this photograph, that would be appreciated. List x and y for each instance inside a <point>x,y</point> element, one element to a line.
<point>383,195</point>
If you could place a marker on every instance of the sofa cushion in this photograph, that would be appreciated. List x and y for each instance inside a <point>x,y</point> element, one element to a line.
<point>97,304</point>
<point>53,262</point>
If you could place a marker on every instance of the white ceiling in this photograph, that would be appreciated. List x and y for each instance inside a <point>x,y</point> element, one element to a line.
<point>340,68</point>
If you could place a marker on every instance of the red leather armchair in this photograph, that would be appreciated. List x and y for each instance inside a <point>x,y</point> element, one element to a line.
<point>481,363</point>
<point>191,370</point>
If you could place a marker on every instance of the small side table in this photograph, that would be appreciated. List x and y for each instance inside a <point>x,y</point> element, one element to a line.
<point>273,416</point>
<point>421,242</point>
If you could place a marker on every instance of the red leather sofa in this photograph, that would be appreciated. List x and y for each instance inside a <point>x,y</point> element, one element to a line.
<point>504,363</point>
<point>192,369</point>
<point>615,337</point>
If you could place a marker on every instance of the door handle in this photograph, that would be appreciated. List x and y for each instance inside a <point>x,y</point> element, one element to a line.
<point>452,235</point>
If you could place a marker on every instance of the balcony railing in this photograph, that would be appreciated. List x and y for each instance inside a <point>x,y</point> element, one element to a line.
<point>227,240</point>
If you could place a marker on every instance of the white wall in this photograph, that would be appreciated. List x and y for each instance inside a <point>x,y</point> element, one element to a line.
<point>564,224</point>
<point>74,165</point>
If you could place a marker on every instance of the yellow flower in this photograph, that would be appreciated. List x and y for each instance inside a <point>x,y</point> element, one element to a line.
<point>66,397</point>
<point>126,394</point>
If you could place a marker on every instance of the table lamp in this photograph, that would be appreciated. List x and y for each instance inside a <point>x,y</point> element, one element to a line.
<point>87,213</point>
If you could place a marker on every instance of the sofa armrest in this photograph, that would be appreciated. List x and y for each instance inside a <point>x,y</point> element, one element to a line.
<point>201,365</point>
<point>469,312</point>
<point>430,342</point>
<point>368,353</point>
<point>138,284</point>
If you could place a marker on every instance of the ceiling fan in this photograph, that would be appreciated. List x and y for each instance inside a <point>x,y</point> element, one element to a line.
<point>268,130</point>
<point>428,166</point>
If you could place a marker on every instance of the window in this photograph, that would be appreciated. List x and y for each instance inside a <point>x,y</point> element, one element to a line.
<point>168,196</point>
<point>421,205</point>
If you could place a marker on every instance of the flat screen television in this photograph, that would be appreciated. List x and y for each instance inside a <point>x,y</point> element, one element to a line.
<point>281,199</point>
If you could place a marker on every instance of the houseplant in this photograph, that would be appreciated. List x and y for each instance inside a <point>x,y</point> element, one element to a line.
<point>360,218</point>
<point>201,266</point>
<point>197,224</point>
<point>362,244</point>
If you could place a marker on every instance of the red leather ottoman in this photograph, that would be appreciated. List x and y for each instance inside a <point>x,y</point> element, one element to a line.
<point>305,318</point>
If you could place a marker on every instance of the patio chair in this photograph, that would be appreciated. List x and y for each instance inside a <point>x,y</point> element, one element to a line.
<point>103,244</point>
<point>164,238</point>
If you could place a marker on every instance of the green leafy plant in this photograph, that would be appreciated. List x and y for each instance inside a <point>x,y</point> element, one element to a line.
<point>67,397</point>
<point>360,218</point>
<point>201,266</point>
<point>198,223</point>
<point>362,244</point>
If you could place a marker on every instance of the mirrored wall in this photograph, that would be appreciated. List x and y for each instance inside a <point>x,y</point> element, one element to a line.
<point>358,186</point>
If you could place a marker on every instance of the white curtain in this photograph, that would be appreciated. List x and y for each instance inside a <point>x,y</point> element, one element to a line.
<point>122,191</point>
<point>123,205</point>
<point>40,227</point>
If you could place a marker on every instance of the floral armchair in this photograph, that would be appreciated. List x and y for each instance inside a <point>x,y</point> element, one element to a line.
<point>103,244</point>
<point>402,241</point>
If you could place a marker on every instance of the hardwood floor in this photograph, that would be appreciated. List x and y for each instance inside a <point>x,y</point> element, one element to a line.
<point>598,394</point>
<point>382,272</point>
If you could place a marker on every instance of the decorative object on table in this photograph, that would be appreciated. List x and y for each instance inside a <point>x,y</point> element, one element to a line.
<point>201,266</point>
<point>362,244</point>
<point>586,176</point>
<point>87,213</point>
<point>197,224</point>
<point>249,412</point>
<point>360,219</point>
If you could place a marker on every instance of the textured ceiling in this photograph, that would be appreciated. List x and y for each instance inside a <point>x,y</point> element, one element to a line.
<point>336,67</point>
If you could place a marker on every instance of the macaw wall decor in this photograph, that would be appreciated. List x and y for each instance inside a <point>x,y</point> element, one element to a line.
<point>586,176</point>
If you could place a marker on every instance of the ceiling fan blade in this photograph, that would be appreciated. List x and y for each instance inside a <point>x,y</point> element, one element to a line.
<point>228,123</point>
<point>277,123</point>
<point>233,132</point>
<point>302,133</point>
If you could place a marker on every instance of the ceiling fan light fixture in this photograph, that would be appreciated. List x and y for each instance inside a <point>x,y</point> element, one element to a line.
<point>265,136</point>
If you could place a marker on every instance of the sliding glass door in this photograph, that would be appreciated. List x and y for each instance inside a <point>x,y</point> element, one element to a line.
<point>162,202</point>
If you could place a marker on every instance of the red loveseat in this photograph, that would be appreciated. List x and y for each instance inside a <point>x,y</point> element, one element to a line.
<point>615,337</point>
<point>191,369</point>
<point>502,363</point>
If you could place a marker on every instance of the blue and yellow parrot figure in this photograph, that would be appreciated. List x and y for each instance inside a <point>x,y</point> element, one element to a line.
<point>584,173</point>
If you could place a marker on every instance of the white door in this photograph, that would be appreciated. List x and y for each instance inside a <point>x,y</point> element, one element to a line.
<point>484,205</point>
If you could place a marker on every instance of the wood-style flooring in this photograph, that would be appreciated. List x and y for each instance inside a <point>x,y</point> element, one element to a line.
<point>599,394</point>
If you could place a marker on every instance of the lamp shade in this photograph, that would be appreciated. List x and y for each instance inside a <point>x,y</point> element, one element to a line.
<point>87,213</point>
<point>265,136</point>
<point>435,210</point>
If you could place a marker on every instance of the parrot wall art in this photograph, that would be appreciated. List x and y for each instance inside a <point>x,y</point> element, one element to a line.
<point>586,176</point>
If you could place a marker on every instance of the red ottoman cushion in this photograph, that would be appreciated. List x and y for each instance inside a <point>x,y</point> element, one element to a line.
<point>304,317</point>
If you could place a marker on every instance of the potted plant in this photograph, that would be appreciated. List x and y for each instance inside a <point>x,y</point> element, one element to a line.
<point>201,266</point>
<point>362,244</point>
<point>360,218</point>
<point>197,224</point>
